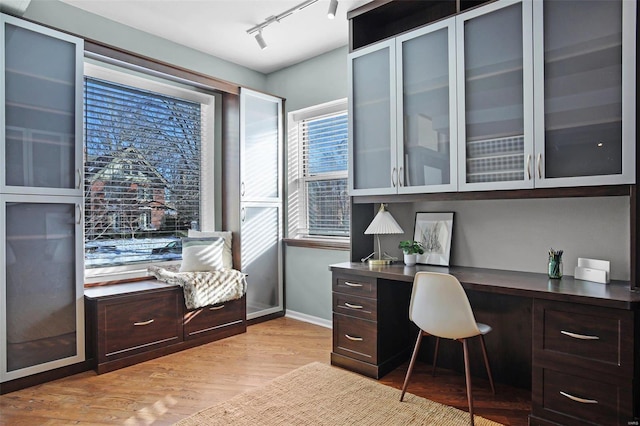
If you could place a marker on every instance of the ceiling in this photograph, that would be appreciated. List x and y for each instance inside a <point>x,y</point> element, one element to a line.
<point>219,27</point>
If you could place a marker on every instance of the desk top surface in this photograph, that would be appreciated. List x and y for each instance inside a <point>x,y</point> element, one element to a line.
<point>617,294</point>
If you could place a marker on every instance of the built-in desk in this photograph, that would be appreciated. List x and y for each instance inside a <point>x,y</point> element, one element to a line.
<point>570,341</point>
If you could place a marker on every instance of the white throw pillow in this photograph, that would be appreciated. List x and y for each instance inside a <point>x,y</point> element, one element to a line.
<point>227,257</point>
<point>202,254</point>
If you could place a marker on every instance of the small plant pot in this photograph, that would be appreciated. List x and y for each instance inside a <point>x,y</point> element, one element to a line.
<point>410,259</point>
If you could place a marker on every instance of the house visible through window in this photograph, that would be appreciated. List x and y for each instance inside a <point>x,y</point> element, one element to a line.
<point>318,162</point>
<point>144,149</point>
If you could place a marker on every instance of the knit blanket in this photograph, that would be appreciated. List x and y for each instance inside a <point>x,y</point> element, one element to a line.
<point>204,288</point>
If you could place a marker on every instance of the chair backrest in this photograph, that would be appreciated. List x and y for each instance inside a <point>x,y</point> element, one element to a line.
<point>440,306</point>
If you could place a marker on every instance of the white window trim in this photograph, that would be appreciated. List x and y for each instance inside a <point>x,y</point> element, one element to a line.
<point>297,199</point>
<point>207,183</point>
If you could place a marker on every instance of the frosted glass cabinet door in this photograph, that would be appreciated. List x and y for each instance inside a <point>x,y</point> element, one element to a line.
<point>261,143</point>
<point>372,128</point>
<point>42,98</point>
<point>585,116</point>
<point>261,252</point>
<point>43,299</point>
<point>427,144</point>
<point>495,96</point>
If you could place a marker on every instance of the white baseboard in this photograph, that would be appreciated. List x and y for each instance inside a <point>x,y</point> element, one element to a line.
<point>308,318</point>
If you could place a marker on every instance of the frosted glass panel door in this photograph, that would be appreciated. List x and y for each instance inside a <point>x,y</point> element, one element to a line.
<point>43,109</point>
<point>495,97</point>
<point>260,252</point>
<point>261,121</point>
<point>43,298</point>
<point>372,120</point>
<point>426,79</point>
<point>580,130</point>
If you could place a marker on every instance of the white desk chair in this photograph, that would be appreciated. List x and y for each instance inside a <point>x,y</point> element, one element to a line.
<point>440,308</point>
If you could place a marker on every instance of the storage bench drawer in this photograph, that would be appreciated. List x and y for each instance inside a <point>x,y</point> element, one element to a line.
<point>136,324</point>
<point>211,319</point>
<point>355,338</point>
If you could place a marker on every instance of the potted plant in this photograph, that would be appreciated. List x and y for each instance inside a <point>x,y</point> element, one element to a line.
<point>411,250</point>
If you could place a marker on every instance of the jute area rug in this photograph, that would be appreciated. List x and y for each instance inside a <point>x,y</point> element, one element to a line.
<point>318,394</point>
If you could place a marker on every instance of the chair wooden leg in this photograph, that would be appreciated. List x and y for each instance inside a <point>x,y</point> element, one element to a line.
<point>411,364</point>
<point>467,373</point>
<point>435,357</point>
<point>486,363</point>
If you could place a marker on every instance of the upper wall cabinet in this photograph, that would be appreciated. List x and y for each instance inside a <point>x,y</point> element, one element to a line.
<point>585,92</point>
<point>41,128</point>
<point>372,124</point>
<point>495,95</point>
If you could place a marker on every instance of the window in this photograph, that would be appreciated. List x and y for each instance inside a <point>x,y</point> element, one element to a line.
<point>146,146</point>
<point>319,205</point>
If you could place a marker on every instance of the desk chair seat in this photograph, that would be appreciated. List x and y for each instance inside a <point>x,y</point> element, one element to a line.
<point>440,308</point>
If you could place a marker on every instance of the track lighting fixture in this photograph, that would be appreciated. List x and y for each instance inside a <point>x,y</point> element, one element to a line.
<point>333,6</point>
<point>260,40</point>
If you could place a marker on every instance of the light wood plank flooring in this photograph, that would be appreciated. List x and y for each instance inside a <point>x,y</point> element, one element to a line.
<point>164,390</point>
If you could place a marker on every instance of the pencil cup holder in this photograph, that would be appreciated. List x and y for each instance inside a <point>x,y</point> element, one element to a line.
<point>555,267</point>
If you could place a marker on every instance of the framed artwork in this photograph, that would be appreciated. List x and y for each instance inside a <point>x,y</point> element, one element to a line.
<point>434,230</point>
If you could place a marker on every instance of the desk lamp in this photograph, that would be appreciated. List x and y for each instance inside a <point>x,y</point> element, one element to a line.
<point>383,223</point>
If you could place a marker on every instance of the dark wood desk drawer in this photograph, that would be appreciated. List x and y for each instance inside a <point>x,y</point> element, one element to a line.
<point>351,284</point>
<point>204,321</point>
<point>590,337</point>
<point>361,307</point>
<point>137,323</point>
<point>355,338</point>
<point>574,400</point>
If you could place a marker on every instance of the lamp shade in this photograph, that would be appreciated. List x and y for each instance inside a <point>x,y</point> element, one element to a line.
<point>383,223</point>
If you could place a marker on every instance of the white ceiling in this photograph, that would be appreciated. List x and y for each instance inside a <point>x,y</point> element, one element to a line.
<point>219,27</point>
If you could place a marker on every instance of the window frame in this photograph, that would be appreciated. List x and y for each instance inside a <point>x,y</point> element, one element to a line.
<point>297,200</point>
<point>147,81</point>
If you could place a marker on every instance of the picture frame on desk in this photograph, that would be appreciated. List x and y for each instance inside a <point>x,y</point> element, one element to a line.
<point>434,230</point>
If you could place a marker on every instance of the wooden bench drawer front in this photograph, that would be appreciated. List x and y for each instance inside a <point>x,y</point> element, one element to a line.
<point>355,338</point>
<point>577,400</point>
<point>599,337</point>
<point>360,307</point>
<point>357,286</point>
<point>207,320</point>
<point>135,324</point>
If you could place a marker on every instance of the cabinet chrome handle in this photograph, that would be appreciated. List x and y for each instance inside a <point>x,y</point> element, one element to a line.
<point>79,178</point>
<point>215,308</point>
<point>529,167</point>
<point>243,215</point>
<point>347,283</point>
<point>79,221</point>
<point>242,189</point>
<point>144,322</point>
<point>579,336</point>
<point>539,166</point>
<point>349,305</point>
<point>400,177</point>
<point>576,399</point>
<point>355,339</point>
<point>394,180</point>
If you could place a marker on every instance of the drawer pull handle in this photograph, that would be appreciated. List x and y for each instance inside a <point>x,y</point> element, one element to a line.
<point>579,336</point>
<point>349,305</point>
<point>347,283</point>
<point>355,339</point>
<point>576,399</point>
<point>215,308</point>
<point>144,322</point>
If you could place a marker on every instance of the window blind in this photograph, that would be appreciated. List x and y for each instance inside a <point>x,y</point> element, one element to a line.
<point>324,163</point>
<point>142,173</point>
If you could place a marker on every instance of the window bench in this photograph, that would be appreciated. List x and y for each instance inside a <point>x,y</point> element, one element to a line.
<point>138,321</point>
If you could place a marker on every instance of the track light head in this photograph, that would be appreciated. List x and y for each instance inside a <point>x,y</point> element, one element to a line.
<point>333,6</point>
<point>260,40</point>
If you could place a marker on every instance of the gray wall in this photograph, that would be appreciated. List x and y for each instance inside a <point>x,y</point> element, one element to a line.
<point>306,271</point>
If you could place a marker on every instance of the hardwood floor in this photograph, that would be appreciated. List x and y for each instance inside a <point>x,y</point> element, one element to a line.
<point>166,389</point>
